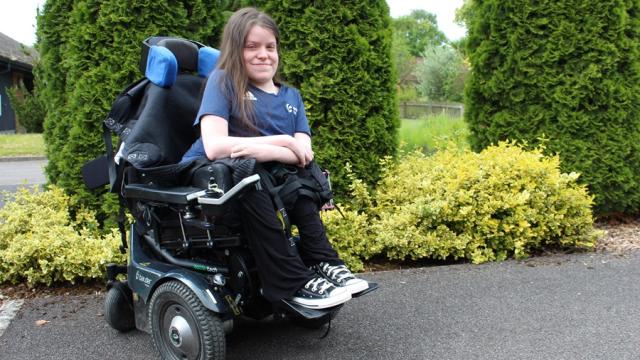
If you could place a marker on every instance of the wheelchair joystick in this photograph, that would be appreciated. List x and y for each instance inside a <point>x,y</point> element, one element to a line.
<point>213,190</point>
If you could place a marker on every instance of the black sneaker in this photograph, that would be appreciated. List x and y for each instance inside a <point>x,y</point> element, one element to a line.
<point>318,293</point>
<point>342,277</point>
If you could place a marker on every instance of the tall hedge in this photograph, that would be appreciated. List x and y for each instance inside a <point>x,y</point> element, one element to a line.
<point>338,53</point>
<point>49,76</point>
<point>90,51</point>
<point>567,73</point>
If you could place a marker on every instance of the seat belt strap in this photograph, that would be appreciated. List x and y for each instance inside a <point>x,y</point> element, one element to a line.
<point>268,182</point>
<point>106,135</point>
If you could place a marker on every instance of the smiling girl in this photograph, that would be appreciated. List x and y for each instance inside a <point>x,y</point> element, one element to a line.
<point>246,112</point>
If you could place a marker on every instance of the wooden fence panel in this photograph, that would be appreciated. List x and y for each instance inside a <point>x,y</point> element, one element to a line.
<point>417,110</point>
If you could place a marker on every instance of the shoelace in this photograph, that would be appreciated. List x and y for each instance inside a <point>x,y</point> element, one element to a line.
<point>337,272</point>
<point>314,283</point>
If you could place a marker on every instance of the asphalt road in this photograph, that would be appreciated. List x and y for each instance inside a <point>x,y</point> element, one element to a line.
<point>15,174</point>
<point>581,306</point>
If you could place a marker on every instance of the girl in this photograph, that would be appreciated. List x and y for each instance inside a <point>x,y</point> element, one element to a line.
<point>246,112</point>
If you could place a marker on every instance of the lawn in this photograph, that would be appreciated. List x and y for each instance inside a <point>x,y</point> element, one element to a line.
<point>21,145</point>
<point>433,132</point>
<point>430,134</point>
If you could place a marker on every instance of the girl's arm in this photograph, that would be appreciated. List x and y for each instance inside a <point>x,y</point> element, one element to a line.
<point>218,144</point>
<point>265,152</point>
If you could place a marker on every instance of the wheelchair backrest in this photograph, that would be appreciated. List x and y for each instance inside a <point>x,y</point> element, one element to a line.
<point>154,116</point>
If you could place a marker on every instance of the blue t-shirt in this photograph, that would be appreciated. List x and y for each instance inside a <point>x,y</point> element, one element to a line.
<point>275,114</point>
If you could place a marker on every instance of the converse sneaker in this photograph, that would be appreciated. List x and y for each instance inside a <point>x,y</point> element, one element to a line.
<point>342,277</point>
<point>318,293</point>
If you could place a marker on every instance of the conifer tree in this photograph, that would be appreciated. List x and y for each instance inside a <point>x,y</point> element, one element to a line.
<point>567,72</point>
<point>338,53</point>
<point>49,76</point>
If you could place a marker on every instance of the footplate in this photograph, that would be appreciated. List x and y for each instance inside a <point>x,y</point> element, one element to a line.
<point>308,313</point>
<point>372,287</point>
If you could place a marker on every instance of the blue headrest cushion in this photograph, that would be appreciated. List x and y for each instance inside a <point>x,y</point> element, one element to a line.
<point>162,66</point>
<point>207,59</point>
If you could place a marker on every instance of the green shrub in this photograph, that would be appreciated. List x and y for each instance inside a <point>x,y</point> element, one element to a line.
<point>350,236</point>
<point>28,108</point>
<point>407,94</point>
<point>456,204</point>
<point>41,242</point>
<point>441,74</point>
<point>567,71</point>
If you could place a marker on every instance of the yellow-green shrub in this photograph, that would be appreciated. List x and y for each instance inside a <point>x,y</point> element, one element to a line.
<point>350,236</point>
<point>483,206</point>
<point>41,242</point>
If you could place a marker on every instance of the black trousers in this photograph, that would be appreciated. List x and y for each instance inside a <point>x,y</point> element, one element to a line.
<point>283,265</point>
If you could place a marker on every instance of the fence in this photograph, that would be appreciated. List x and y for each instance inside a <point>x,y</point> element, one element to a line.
<point>417,110</point>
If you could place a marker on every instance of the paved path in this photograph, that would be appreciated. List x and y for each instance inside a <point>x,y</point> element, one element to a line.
<point>584,306</point>
<point>21,172</point>
<point>15,174</point>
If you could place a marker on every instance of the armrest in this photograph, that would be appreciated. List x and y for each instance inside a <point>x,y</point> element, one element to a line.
<point>173,195</point>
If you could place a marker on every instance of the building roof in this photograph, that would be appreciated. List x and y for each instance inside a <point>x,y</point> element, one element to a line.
<point>16,53</point>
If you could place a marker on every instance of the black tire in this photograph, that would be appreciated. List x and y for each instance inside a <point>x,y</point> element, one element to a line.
<point>181,327</point>
<point>118,308</point>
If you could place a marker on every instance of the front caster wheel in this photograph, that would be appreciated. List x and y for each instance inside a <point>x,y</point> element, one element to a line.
<point>181,327</point>
<point>118,307</point>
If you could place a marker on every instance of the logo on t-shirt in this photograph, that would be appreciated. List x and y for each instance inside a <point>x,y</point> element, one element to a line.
<point>292,109</point>
<point>249,96</point>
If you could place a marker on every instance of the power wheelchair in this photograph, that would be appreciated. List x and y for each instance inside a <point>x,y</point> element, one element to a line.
<point>189,274</point>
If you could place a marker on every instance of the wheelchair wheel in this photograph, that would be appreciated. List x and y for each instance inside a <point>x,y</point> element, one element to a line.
<point>181,327</point>
<point>118,307</point>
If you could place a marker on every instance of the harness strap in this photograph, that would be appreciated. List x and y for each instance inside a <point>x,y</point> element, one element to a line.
<point>291,186</point>
<point>268,182</point>
<point>115,122</point>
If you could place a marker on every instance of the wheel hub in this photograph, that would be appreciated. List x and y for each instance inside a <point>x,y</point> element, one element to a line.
<point>181,335</point>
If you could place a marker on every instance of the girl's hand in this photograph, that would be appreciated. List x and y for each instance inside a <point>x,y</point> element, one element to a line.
<point>308,152</point>
<point>303,151</point>
<point>304,142</point>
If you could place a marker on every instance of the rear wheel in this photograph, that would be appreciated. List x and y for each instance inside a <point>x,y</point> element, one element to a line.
<point>118,307</point>
<point>181,327</point>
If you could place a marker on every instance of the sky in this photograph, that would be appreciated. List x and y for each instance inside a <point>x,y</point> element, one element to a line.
<point>18,18</point>
<point>445,11</point>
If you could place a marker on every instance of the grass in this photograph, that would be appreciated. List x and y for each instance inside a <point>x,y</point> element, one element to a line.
<point>433,133</point>
<point>21,145</point>
<point>430,133</point>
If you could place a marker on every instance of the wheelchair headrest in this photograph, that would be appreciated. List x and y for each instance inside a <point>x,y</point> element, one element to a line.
<point>164,57</point>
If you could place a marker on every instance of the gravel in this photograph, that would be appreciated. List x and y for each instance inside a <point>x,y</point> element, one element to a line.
<point>620,236</point>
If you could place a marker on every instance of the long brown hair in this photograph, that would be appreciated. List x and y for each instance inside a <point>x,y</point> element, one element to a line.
<point>232,59</point>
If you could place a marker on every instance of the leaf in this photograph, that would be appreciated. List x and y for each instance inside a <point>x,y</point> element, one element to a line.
<point>42,322</point>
